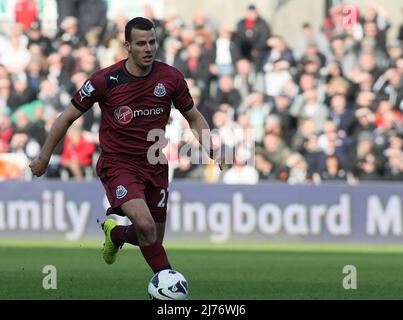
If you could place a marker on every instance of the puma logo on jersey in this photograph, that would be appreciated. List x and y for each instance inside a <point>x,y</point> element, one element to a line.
<point>114,78</point>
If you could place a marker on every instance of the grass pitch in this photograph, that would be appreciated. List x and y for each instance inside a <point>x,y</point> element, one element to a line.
<point>214,272</point>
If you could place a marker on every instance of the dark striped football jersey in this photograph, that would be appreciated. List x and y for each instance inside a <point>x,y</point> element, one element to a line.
<point>133,106</point>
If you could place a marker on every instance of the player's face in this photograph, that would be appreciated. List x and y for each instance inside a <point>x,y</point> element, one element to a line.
<point>142,47</point>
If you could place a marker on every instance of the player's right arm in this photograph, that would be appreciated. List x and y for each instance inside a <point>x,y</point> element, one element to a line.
<point>62,123</point>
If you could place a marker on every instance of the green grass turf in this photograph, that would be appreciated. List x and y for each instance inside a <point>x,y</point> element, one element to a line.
<point>229,271</point>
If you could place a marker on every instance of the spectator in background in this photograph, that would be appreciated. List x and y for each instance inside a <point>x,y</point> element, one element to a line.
<point>229,132</point>
<point>244,78</point>
<point>272,124</point>
<point>257,110</point>
<point>367,168</point>
<point>9,170</point>
<point>281,108</point>
<point>344,55</point>
<point>184,168</point>
<point>58,72</point>
<point>174,26</point>
<point>85,61</point>
<point>297,169</point>
<point>241,172</point>
<point>187,170</point>
<point>395,52</point>
<point>312,53</point>
<point>367,63</point>
<point>276,50</point>
<point>227,94</point>
<point>369,45</point>
<point>69,59</point>
<point>394,159</point>
<point>337,86</point>
<point>5,89</point>
<point>251,35</point>
<point>332,70</point>
<point>15,55</point>
<point>224,53</point>
<point>51,96</point>
<point>264,167</point>
<point>383,106</point>
<point>93,42</point>
<point>400,34</point>
<point>114,39</point>
<point>159,25</point>
<point>312,154</point>
<point>305,129</point>
<point>21,92</point>
<point>330,142</point>
<point>201,20</point>
<point>4,74</point>
<point>272,81</point>
<point>311,65</point>
<point>311,108</point>
<point>202,104</point>
<point>363,91</point>
<point>77,151</point>
<point>394,166</point>
<point>35,36</point>
<point>390,85</point>
<point>204,37</point>
<point>376,23</point>
<point>308,82</point>
<point>34,73</point>
<point>171,52</point>
<point>26,12</point>
<point>28,136</point>
<point>308,37</point>
<point>390,125</point>
<point>275,149</point>
<point>88,14</point>
<point>363,146</point>
<point>6,132</point>
<point>341,115</point>
<point>68,32</point>
<point>333,23</point>
<point>195,65</point>
<point>364,122</point>
<point>332,171</point>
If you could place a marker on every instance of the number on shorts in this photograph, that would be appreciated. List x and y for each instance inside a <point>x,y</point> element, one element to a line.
<point>161,204</point>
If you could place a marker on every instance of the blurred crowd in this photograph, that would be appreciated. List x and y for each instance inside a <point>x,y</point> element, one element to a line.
<point>327,107</point>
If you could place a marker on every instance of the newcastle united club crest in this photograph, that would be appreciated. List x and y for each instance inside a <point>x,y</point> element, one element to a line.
<point>120,192</point>
<point>159,90</point>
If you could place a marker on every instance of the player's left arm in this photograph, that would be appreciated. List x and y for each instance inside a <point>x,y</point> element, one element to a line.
<point>199,124</point>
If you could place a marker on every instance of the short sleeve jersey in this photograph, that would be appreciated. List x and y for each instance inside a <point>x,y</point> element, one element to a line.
<point>133,106</point>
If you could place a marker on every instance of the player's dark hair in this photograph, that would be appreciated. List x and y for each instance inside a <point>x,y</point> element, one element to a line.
<point>139,23</point>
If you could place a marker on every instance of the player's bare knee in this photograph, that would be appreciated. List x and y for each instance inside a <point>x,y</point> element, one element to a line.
<point>147,232</point>
<point>147,227</point>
